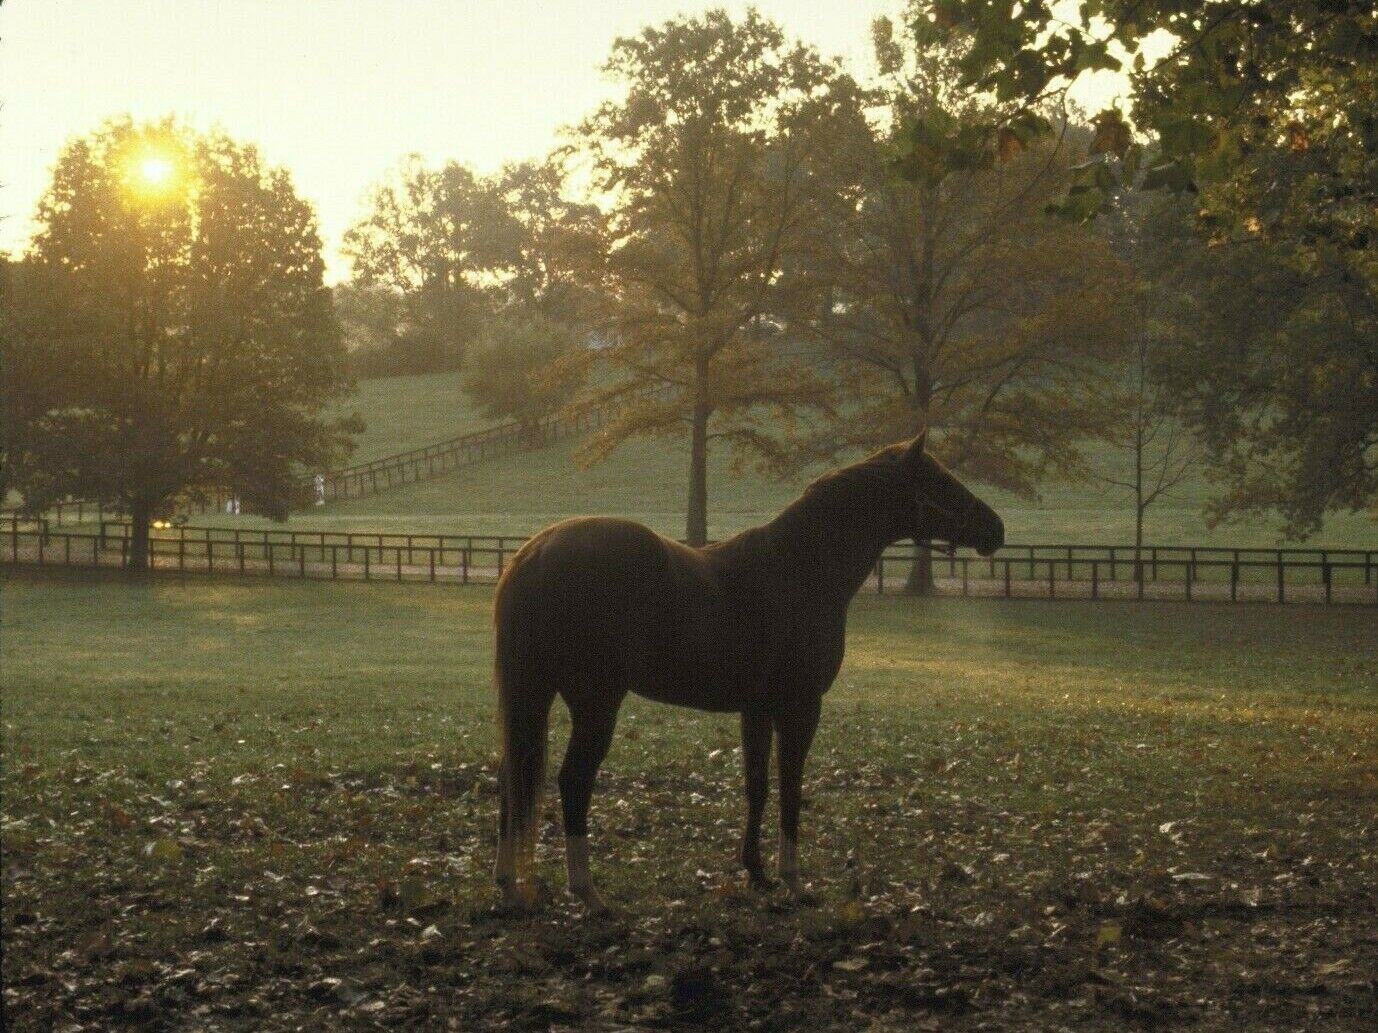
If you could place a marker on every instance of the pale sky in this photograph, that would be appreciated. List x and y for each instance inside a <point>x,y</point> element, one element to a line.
<point>336,90</point>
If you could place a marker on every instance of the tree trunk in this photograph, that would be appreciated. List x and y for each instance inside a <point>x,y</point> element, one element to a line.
<point>696,523</point>
<point>920,580</point>
<point>140,514</point>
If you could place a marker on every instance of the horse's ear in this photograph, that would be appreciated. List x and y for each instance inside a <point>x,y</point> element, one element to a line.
<point>913,452</point>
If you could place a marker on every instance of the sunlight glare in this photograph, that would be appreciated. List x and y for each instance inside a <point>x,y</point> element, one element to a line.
<point>155,171</point>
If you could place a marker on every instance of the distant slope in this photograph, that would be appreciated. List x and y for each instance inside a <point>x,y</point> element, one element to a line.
<point>646,481</point>
<point>407,412</point>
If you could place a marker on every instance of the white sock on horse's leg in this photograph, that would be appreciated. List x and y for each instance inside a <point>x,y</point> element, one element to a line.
<point>789,862</point>
<point>580,879</point>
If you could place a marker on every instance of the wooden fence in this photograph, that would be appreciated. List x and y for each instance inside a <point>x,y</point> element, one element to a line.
<point>1192,573</point>
<point>432,460</point>
<point>385,472</point>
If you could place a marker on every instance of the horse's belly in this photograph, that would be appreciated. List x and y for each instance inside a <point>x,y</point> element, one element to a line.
<point>686,677</point>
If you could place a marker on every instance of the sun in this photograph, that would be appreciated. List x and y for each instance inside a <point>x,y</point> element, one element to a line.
<point>155,171</point>
<point>152,174</point>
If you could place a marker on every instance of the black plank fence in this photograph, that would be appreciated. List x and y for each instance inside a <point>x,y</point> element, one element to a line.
<point>1192,573</point>
<point>429,461</point>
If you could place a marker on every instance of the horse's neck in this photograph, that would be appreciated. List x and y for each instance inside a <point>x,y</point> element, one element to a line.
<point>835,536</point>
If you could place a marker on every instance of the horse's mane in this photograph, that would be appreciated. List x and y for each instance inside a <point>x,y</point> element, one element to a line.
<point>883,469</point>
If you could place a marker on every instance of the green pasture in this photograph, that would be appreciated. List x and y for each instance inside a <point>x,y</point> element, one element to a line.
<point>407,412</point>
<point>647,481</point>
<point>271,806</point>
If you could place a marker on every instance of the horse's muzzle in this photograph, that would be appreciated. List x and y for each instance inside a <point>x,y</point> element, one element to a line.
<point>994,538</point>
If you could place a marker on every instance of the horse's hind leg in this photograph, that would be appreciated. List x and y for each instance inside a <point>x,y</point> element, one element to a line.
<point>795,726</point>
<point>756,734</point>
<point>593,716</point>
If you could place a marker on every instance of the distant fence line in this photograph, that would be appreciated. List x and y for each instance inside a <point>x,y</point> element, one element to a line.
<point>87,511</point>
<point>1192,573</point>
<point>385,472</point>
<point>432,460</point>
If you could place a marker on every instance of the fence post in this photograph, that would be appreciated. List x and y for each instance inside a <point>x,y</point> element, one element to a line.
<point>301,558</point>
<point>1052,568</point>
<point>965,564</point>
<point>1191,573</point>
<point>464,567</point>
<point>432,555</point>
<point>399,563</point>
<point>1325,575</point>
<point>1281,577</point>
<point>268,548</point>
<point>1095,579</point>
<point>1234,578</point>
<point>334,562</point>
<point>366,552</point>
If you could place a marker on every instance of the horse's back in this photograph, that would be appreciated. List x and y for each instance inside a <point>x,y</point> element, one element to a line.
<point>599,555</point>
<point>595,592</point>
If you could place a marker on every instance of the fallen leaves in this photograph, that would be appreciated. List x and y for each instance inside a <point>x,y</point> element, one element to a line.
<point>948,890</point>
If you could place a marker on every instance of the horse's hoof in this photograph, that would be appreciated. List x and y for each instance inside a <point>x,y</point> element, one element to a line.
<point>594,903</point>
<point>524,897</point>
<point>757,880</point>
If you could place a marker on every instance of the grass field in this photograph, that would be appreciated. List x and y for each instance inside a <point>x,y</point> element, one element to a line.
<point>647,479</point>
<point>401,413</point>
<point>269,807</point>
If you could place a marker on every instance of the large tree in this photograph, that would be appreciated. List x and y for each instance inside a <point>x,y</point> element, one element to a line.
<point>174,290</point>
<point>548,228</point>
<point>1265,113</point>
<point>1274,366</point>
<point>1152,450</point>
<point>951,300</point>
<point>703,161</point>
<point>436,239</point>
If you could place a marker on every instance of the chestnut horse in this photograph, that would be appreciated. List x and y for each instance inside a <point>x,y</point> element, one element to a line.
<point>594,607</point>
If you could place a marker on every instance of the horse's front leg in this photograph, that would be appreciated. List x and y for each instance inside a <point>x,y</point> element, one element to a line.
<point>795,724</point>
<point>756,734</point>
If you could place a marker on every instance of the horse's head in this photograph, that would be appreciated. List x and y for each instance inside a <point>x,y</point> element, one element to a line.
<point>944,508</point>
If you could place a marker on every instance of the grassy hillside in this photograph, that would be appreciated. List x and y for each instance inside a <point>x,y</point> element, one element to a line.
<point>275,804</point>
<point>407,412</point>
<point>646,480</point>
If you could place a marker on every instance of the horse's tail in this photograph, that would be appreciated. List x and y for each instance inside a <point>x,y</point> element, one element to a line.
<point>523,719</point>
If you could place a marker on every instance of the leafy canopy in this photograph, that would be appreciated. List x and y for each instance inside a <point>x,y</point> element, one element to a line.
<point>175,322</point>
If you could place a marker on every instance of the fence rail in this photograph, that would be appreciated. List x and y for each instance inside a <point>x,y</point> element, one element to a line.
<point>1192,573</point>
<point>384,472</point>
<point>432,460</point>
